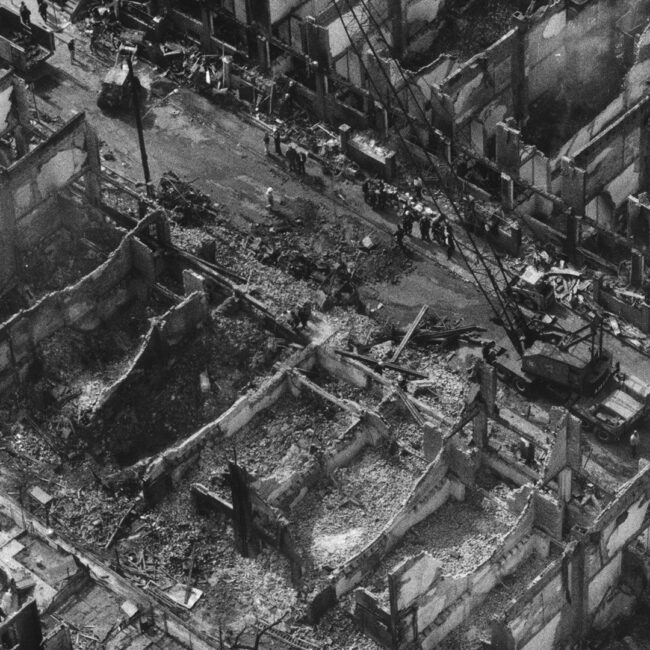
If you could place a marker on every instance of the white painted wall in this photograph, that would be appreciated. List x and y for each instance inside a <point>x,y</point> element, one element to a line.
<point>5,107</point>
<point>603,581</point>
<point>423,10</point>
<point>618,536</point>
<point>279,9</point>
<point>543,640</point>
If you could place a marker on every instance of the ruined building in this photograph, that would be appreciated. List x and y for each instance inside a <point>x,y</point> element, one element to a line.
<point>183,468</point>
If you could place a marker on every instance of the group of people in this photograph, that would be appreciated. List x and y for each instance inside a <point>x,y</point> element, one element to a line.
<point>26,14</point>
<point>298,317</point>
<point>297,158</point>
<point>374,193</point>
<point>411,210</point>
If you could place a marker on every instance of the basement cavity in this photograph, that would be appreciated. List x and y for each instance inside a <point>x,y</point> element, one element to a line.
<point>275,443</point>
<point>338,518</point>
<point>59,261</point>
<point>169,403</point>
<point>461,534</point>
<point>368,398</point>
<point>484,23</point>
<point>476,627</point>
<point>234,587</point>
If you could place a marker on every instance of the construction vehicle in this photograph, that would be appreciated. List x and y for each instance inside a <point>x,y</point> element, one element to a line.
<point>573,366</point>
<point>608,402</point>
<point>117,87</point>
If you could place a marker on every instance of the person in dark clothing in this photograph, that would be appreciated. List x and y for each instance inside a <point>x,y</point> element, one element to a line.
<point>365,188</point>
<point>276,142</point>
<point>304,314</point>
<point>94,39</point>
<point>25,15</point>
<point>291,157</point>
<point>381,195</point>
<point>417,187</point>
<point>449,241</point>
<point>71,49</point>
<point>302,157</point>
<point>42,10</point>
<point>425,226</point>
<point>407,222</point>
<point>267,142</point>
<point>399,237</point>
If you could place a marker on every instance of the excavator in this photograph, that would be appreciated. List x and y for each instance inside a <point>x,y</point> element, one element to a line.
<point>538,354</point>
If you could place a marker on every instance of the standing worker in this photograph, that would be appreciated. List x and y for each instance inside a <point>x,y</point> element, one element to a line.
<point>25,14</point>
<point>269,198</point>
<point>267,142</point>
<point>417,187</point>
<point>399,237</point>
<point>303,162</point>
<point>292,157</point>
<point>42,9</point>
<point>634,444</point>
<point>425,225</point>
<point>276,142</point>
<point>381,195</point>
<point>449,241</point>
<point>304,314</point>
<point>365,188</point>
<point>71,49</point>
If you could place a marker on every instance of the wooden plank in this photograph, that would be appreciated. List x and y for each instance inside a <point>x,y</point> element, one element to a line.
<point>411,408</point>
<point>381,364</point>
<point>409,333</point>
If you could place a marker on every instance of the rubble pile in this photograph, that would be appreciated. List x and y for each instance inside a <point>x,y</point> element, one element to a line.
<point>299,257</point>
<point>164,544</point>
<point>344,390</point>
<point>185,203</point>
<point>444,387</point>
<point>461,534</point>
<point>574,288</point>
<point>64,258</point>
<point>510,587</point>
<point>190,389</point>
<point>268,443</point>
<point>473,29</point>
<point>345,514</point>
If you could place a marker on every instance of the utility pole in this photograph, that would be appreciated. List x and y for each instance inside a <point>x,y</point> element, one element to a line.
<point>135,90</point>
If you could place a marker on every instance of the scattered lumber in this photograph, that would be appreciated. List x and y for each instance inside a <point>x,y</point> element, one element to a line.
<point>414,325</point>
<point>120,525</point>
<point>376,363</point>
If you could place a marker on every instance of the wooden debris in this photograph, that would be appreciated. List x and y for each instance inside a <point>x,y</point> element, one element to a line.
<point>409,333</point>
<point>381,364</point>
<point>120,525</point>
